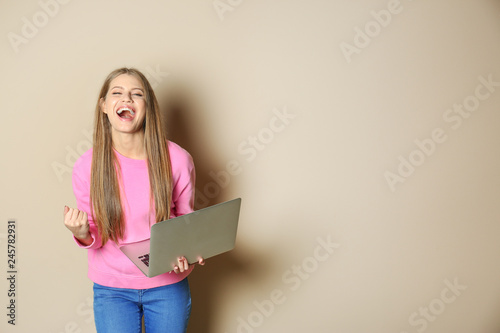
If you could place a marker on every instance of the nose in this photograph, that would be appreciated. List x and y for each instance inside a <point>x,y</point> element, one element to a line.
<point>127,97</point>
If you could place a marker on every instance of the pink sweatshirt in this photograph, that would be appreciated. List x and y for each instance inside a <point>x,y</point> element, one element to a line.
<point>107,265</point>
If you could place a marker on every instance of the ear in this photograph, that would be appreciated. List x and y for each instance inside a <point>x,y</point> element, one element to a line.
<point>102,104</point>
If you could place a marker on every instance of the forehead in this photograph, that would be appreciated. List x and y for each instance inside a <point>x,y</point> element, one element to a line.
<point>126,81</point>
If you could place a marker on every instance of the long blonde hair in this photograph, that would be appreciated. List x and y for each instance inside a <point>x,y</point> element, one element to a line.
<point>105,201</point>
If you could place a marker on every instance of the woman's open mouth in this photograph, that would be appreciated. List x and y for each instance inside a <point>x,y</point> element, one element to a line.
<point>126,113</point>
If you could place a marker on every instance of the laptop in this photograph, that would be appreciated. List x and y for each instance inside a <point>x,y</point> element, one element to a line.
<point>203,233</point>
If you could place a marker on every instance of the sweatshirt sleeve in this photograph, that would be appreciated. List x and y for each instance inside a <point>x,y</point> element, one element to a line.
<point>184,187</point>
<point>81,189</point>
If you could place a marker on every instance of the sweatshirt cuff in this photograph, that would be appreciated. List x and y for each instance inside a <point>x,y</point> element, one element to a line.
<point>83,246</point>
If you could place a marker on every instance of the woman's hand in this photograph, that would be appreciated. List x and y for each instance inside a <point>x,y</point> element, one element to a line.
<point>182,264</point>
<point>77,222</point>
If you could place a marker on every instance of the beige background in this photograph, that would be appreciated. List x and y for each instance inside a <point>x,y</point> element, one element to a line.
<point>221,76</point>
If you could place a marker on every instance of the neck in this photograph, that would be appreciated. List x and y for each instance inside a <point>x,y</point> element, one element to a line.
<point>130,145</point>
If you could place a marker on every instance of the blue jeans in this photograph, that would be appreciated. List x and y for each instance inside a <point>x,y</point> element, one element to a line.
<point>165,309</point>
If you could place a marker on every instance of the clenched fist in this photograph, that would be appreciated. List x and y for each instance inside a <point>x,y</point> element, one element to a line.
<point>77,222</point>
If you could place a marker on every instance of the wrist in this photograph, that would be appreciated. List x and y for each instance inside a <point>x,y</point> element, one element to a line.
<point>84,239</point>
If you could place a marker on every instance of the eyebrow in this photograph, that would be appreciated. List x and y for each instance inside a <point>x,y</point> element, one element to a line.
<point>124,88</point>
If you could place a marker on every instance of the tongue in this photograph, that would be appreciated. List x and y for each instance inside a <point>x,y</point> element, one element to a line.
<point>125,114</point>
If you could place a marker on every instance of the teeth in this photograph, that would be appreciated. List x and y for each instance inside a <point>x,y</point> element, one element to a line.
<point>126,109</point>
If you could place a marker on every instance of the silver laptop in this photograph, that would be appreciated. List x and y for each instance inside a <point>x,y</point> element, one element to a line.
<point>202,233</point>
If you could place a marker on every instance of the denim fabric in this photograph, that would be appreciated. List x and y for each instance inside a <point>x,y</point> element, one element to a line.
<point>165,309</point>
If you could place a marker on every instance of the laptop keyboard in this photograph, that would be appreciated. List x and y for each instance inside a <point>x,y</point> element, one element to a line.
<point>145,259</point>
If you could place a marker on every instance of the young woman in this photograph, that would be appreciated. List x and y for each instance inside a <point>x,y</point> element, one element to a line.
<point>132,178</point>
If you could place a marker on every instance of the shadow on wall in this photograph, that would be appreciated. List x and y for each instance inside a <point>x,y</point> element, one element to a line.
<point>185,126</point>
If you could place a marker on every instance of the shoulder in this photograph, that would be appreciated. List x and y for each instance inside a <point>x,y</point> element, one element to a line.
<point>179,157</point>
<point>83,163</point>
